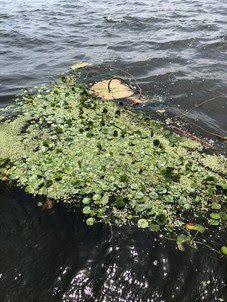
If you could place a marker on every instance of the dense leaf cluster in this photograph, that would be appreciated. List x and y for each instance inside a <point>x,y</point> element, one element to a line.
<point>121,165</point>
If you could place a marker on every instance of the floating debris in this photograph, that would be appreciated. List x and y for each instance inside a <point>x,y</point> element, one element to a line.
<point>80,65</point>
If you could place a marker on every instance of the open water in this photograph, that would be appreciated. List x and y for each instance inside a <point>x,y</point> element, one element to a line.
<point>177,50</point>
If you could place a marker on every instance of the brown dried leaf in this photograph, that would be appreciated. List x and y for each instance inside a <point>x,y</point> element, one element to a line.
<point>118,90</point>
<point>136,99</point>
<point>48,204</point>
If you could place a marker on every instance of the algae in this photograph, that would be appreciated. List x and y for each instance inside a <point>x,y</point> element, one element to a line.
<point>121,166</point>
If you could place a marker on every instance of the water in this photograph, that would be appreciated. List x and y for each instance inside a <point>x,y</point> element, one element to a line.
<point>177,50</point>
<point>52,256</point>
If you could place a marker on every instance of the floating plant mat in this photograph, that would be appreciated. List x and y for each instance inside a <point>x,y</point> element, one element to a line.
<point>122,167</point>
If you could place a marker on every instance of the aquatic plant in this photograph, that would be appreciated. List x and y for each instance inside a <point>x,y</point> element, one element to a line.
<point>121,166</point>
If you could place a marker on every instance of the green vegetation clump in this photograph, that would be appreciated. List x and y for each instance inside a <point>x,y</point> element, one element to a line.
<point>122,166</point>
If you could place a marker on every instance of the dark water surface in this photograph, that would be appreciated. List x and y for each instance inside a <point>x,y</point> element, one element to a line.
<point>177,50</point>
<point>53,256</point>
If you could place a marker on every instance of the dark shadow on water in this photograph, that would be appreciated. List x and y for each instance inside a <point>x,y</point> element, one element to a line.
<point>53,256</point>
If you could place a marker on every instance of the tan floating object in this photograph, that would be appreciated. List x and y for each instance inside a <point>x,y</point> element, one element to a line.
<point>116,90</point>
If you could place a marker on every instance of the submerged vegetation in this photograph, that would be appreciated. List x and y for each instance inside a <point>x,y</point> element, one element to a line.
<point>122,167</point>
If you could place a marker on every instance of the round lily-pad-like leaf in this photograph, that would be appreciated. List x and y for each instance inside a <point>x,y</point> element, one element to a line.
<point>223,215</point>
<point>187,206</point>
<point>215,216</point>
<point>224,250</point>
<point>87,210</point>
<point>142,223</point>
<point>153,195</point>
<point>86,200</point>
<point>140,207</point>
<point>199,228</point>
<point>213,222</point>
<point>118,90</point>
<point>215,206</point>
<point>139,195</point>
<point>96,197</point>
<point>154,227</point>
<point>90,221</point>
<point>183,238</point>
<point>169,198</point>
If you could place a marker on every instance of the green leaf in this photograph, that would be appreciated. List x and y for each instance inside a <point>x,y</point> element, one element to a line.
<point>169,228</point>
<point>154,227</point>
<point>139,195</point>
<point>142,223</point>
<point>59,130</point>
<point>96,197</point>
<point>40,204</point>
<point>187,206</point>
<point>199,227</point>
<point>58,176</point>
<point>161,190</point>
<point>28,189</point>
<point>224,250</point>
<point>102,210</point>
<point>140,207</point>
<point>90,221</point>
<point>93,213</point>
<point>105,199</point>
<point>87,210</point>
<point>152,212</point>
<point>169,198</point>
<point>183,238</point>
<point>123,178</point>
<point>213,222</point>
<point>210,191</point>
<point>215,206</point>
<point>120,203</point>
<point>80,65</point>
<point>161,218</point>
<point>86,200</point>
<point>223,215</point>
<point>153,195</point>
<point>215,216</point>
<point>180,246</point>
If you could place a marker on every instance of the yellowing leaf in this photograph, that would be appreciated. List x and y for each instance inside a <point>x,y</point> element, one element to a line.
<point>190,226</point>
<point>180,246</point>
<point>80,65</point>
<point>224,250</point>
